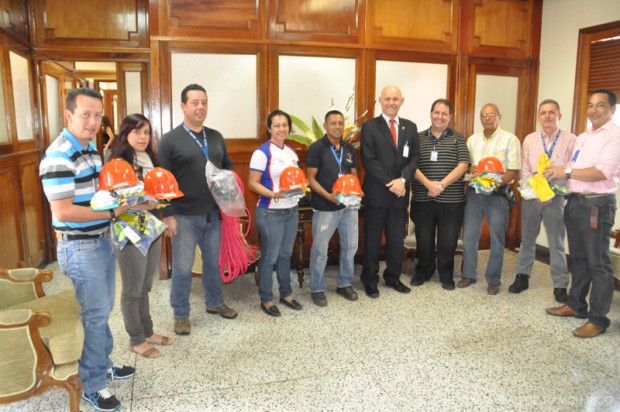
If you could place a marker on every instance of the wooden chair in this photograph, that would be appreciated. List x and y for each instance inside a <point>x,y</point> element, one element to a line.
<point>41,337</point>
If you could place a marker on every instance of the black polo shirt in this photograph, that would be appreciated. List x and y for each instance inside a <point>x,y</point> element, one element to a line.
<point>322,157</point>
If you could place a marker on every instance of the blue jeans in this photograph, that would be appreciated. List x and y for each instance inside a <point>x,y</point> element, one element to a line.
<point>496,209</point>
<point>91,266</point>
<point>277,229</point>
<point>204,231</point>
<point>590,263</point>
<point>324,224</point>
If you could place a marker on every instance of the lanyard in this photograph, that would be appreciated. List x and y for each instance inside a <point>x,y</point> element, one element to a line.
<point>338,159</point>
<point>204,147</point>
<point>433,140</point>
<point>555,140</point>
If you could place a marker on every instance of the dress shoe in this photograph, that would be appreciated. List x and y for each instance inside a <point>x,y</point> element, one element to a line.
<point>271,310</point>
<point>448,285</point>
<point>347,292</point>
<point>564,311</point>
<point>560,295</point>
<point>293,304</point>
<point>492,289</point>
<point>588,330</point>
<point>521,283</point>
<point>372,291</point>
<point>465,282</point>
<point>319,299</point>
<point>415,281</point>
<point>398,286</point>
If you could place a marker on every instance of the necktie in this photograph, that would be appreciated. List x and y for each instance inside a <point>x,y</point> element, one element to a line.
<point>393,130</point>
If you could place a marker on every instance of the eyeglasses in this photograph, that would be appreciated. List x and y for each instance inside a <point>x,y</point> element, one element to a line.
<point>491,115</point>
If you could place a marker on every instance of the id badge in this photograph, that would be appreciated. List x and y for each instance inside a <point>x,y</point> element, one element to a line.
<point>434,155</point>
<point>406,151</point>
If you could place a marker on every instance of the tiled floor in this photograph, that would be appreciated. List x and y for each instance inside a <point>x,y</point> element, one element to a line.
<point>428,350</point>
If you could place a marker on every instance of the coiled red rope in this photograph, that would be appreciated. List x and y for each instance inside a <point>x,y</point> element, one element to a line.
<point>236,254</point>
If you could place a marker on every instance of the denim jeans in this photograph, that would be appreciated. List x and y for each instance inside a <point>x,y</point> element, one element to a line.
<point>496,209</point>
<point>590,263</point>
<point>277,229</point>
<point>324,224</point>
<point>204,231</point>
<point>91,266</point>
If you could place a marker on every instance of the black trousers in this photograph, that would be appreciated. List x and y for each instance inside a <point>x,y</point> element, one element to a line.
<point>378,220</point>
<point>437,228</point>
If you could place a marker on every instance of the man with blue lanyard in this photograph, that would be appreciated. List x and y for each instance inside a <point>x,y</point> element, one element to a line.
<point>558,145</point>
<point>69,173</point>
<point>194,220</point>
<point>328,159</point>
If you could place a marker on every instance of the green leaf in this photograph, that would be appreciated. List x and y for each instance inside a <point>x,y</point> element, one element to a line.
<point>300,124</point>
<point>318,130</point>
<point>305,140</point>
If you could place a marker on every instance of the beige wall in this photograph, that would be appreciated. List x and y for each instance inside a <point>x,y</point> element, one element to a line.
<point>561,22</point>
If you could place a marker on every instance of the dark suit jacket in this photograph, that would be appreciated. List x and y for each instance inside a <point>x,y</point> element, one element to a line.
<point>383,162</point>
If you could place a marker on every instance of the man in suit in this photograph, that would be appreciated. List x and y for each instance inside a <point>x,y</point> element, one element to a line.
<point>390,151</point>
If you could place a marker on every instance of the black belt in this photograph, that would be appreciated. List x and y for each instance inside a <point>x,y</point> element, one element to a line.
<point>589,195</point>
<point>61,236</point>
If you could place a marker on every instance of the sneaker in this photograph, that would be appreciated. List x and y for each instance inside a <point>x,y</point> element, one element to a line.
<point>560,295</point>
<point>348,293</point>
<point>224,311</point>
<point>319,299</point>
<point>120,372</point>
<point>521,283</point>
<point>182,326</point>
<point>102,400</point>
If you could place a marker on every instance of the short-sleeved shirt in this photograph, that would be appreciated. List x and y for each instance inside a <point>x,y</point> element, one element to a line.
<point>451,151</point>
<point>71,170</point>
<point>270,160</point>
<point>323,156</point>
<point>503,145</point>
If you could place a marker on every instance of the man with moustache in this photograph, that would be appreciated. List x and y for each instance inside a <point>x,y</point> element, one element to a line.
<point>328,159</point>
<point>390,151</point>
<point>558,145</point>
<point>491,142</point>
<point>194,219</point>
<point>438,196</point>
<point>593,174</point>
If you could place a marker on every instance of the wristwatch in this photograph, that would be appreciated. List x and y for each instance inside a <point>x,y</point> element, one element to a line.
<point>568,172</point>
<point>112,214</point>
<point>402,179</point>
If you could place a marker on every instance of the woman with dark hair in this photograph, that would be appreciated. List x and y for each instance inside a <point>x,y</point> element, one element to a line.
<point>276,216</point>
<point>135,146</point>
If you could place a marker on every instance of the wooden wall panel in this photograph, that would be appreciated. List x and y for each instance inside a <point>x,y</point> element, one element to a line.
<point>501,28</point>
<point>32,206</point>
<point>212,18</point>
<point>102,23</point>
<point>11,251</point>
<point>422,24</point>
<point>14,17</point>
<point>333,21</point>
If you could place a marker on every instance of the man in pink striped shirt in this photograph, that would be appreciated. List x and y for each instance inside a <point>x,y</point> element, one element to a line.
<point>593,175</point>
<point>558,145</point>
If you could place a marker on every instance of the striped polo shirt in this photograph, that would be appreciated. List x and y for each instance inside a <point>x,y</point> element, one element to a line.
<point>451,151</point>
<point>70,170</point>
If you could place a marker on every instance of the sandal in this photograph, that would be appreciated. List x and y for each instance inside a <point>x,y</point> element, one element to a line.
<point>150,353</point>
<point>163,341</point>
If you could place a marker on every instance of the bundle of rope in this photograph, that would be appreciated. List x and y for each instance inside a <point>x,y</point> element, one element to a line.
<point>236,254</point>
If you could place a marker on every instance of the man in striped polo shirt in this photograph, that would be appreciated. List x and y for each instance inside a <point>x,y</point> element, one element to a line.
<point>438,196</point>
<point>70,176</point>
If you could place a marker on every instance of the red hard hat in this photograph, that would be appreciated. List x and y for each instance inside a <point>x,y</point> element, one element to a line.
<point>293,178</point>
<point>117,174</point>
<point>161,184</point>
<point>490,164</point>
<point>348,185</point>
